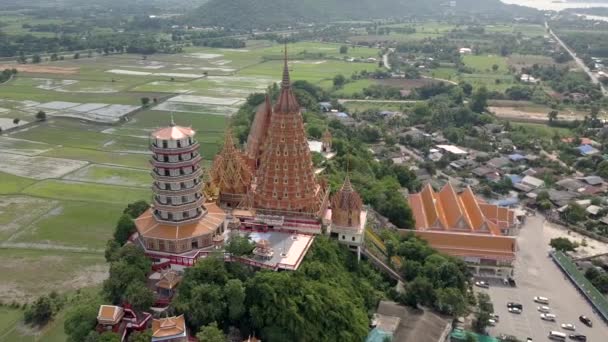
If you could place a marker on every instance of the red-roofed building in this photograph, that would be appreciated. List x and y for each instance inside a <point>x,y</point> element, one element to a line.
<point>461,225</point>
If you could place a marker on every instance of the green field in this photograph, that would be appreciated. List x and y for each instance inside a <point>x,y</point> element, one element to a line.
<point>89,192</point>
<point>71,223</point>
<point>485,63</point>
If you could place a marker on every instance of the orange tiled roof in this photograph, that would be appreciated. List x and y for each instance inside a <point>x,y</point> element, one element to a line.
<point>148,227</point>
<point>471,245</point>
<point>168,279</point>
<point>447,210</point>
<point>170,326</point>
<point>109,314</point>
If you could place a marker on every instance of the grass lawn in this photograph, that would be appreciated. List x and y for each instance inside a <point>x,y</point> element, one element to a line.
<point>445,73</point>
<point>72,223</point>
<point>89,192</point>
<point>10,184</point>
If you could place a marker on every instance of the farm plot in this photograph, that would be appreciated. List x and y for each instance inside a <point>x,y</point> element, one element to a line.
<point>16,212</point>
<point>11,184</point>
<point>24,270</point>
<point>37,167</point>
<point>72,224</point>
<point>225,106</point>
<point>21,146</point>
<point>111,175</point>
<point>91,192</point>
<point>133,160</point>
<point>100,112</point>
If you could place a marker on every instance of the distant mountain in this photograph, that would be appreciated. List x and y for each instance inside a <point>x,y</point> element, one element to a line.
<point>266,13</point>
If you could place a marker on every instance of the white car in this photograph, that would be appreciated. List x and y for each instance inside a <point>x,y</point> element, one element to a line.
<point>515,310</point>
<point>544,309</point>
<point>529,339</point>
<point>548,317</point>
<point>483,284</point>
<point>495,317</point>
<point>568,326</point>
<point>542,300</point>
<point>492,322</point>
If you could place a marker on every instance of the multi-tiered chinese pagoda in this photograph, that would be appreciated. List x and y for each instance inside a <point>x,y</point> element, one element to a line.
<point>179,220</point>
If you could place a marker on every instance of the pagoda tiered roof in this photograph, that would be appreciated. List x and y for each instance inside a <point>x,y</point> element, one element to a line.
<point>230,173</point>
<point>285,178</point>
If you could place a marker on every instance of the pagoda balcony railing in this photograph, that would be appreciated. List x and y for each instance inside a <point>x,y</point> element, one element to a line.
<point>175,150</point>
<point>177,164</point>
<point>178,178</point>
<point>180,207</point>
<point>178,192</point>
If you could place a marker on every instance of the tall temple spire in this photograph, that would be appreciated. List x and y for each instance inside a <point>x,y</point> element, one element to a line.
<point>287,102</point>
<point>286,83</point>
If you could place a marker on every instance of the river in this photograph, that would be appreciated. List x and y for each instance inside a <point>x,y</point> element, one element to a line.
<point>553,5</point>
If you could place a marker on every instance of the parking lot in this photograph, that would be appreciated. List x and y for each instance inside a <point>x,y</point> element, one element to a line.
<point>537,275</point>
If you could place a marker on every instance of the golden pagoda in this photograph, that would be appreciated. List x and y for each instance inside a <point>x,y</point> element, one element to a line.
<point>230,173</point>
<point>286,183</point>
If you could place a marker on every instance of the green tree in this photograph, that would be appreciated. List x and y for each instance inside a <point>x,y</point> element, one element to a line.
<point>207,305</point>
<point>109,337</point>
<point>234,292</point>
<point>450,301</point>
<point>240,245</point>
<point>482,314</point>
<point>602,169</point>
<point>145,101</point>
<point>343,49</point>
<point>211,333</point>
<point>140,336</point>
<point>552,115</point>
<point>41,115</point>
<point>479,100</point>
<point>124,229</point>
<point>139,296</point>
<point>136,208</point>
<point>93,336</point>
<point>80,320</point>
<point>494,67</point>
<point>314,131</point>
<point>562,244</point>
<point>40,312</point>
<point>76,55</point>
<point>339,81</point>
<point>420,291</point>
<point>574,213</point>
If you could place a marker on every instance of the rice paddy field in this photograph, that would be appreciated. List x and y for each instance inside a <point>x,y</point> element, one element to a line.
<point>65,181</point>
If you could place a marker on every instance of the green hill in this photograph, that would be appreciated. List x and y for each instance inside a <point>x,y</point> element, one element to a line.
<point>268,13</point>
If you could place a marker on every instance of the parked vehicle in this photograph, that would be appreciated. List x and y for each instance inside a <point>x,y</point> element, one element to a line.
<point>495,317</point>
<point>483,284</point>
<point>492,322</point>
<point>586,321</point>
<point>568,326</point>
<point>515,305</point>
<point>542,300</point>
<point>548,317</point>
<point>529,339</point>
<point>544,309</point>
<point>578,337</point>
<point>556,335</point>
<point>515,310</point>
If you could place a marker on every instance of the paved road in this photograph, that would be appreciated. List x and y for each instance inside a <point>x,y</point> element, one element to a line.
<point>578,61</point>
<point>537,275</point>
